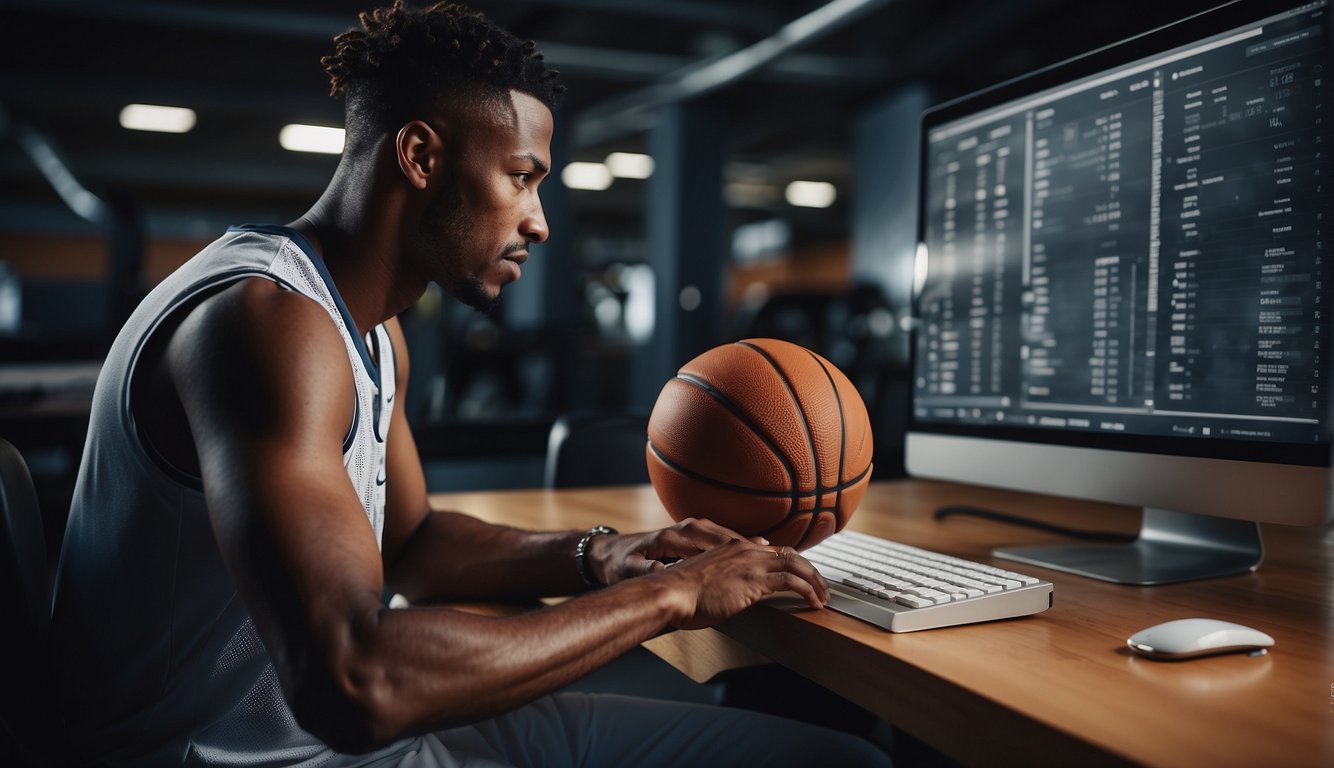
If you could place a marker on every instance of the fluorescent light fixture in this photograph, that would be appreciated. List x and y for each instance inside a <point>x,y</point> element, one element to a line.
<point>591,176</point>
<point>630,165</point>
<point>811,194</point>
<point>311,138</point>
<point>151,117</point>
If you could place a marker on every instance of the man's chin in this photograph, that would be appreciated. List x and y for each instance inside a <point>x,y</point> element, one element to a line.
<point>474,294</point>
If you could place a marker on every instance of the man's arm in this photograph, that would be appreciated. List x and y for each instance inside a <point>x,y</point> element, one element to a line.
<point>438,555</point>
<point>446,556</point>
<point>266,387</point>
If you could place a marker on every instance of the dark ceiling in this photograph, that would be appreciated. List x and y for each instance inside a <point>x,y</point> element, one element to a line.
<point>249,67</point>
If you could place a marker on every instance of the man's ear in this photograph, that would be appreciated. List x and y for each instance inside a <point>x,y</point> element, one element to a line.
<point>417,148</point>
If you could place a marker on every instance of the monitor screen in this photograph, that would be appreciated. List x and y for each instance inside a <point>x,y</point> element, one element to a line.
<point>1126,253</point>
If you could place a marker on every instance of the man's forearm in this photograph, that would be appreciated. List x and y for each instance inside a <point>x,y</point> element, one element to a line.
<point>452,556</point>
<point>399,672</point>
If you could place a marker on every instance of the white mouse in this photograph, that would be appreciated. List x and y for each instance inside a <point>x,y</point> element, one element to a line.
<point>1185,638</point>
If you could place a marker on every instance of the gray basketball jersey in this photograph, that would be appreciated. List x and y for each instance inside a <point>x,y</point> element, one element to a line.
<point>158,661</point>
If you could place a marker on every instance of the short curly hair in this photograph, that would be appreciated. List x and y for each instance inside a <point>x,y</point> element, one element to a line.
<point>404,62</point>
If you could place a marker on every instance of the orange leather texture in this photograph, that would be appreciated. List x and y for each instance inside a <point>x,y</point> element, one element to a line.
<point>762,436</point>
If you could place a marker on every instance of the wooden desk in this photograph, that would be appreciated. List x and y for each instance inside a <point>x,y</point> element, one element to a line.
<point>1056,688</point>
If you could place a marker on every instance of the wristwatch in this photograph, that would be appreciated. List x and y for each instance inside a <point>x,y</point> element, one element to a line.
<point>581,554</point>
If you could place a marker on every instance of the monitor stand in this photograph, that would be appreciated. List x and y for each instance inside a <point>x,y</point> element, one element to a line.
<point>1171,547</point>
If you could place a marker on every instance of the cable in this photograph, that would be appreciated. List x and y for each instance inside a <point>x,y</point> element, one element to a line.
<point>1003,517</point>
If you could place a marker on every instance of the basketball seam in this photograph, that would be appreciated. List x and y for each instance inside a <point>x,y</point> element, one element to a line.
<point>814,512</point>
<point>693,475</point>
<point>842,431</point>
<point>805,421</point>
<point>750,423</point>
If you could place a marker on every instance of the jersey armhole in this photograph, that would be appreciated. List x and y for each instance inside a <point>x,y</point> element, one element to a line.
<point>168,320</point>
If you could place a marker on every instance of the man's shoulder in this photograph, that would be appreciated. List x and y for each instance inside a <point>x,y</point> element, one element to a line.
<point>254,356</point>
<point>260,309</point>
<point>238,246</point>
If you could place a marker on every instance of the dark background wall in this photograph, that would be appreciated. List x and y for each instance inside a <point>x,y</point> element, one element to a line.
<point>635,279</point>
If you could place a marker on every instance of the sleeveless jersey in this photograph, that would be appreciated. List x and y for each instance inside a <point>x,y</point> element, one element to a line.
<point>156,658</point>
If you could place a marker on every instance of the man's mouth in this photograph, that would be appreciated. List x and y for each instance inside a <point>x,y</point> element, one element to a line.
<point>516,259</point>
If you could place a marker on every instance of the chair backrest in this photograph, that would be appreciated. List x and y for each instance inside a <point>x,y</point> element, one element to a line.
<point>597,448</point>
<point>27,716</point>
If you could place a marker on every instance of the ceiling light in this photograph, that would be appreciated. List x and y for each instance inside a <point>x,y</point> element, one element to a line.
<point>630,165</point>
<point>150,117</point>
<point>811,194</point>
<point>592,176</point>
<point>311,138</point>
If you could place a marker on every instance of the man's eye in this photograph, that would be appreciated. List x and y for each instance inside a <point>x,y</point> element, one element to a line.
<point>523,178</point>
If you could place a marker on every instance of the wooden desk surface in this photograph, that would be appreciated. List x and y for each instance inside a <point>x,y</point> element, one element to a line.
<point>1059,687</point>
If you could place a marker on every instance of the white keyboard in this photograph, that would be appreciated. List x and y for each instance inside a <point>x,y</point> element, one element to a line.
<point>904,589</point>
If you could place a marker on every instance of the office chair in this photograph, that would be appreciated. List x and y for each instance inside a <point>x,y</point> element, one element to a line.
<point>801,317</point>
<point>591,448</point>
<point>27,709</point>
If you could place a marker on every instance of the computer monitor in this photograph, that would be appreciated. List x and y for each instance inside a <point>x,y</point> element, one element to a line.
<point>1123,289</point>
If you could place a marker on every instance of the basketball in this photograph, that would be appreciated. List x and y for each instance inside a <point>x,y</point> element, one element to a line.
<point>764,437</point>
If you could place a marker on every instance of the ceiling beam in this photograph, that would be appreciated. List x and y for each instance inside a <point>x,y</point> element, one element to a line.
<point>117,91</point>
<point>615,64</point>
<point>126,169</point>
<point>754,18</point>
<point>967,27</point>
<point>635,112</point>
<point>587,61</point>
<point>283,24</point>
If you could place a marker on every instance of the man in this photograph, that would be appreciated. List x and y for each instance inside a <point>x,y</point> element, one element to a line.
<point>250,487</point>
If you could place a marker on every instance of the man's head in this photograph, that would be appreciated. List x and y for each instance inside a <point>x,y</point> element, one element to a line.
<point>406,64</point>
<point>467,109</point>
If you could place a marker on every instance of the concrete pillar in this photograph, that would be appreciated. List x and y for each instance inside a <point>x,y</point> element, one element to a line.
<point>887,150</point>
<point>685,244</point>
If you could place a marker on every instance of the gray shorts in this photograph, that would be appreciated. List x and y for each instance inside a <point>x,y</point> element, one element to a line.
<point>612,731</point>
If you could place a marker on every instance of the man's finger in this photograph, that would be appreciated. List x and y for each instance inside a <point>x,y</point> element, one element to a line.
<point>693,539</point>
<point>787,581</point>
<point>634,564</point>
<point>720,531</point>
<point>802,568</point>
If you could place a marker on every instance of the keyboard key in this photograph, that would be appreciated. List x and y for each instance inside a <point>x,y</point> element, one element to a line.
<point>913,601</point>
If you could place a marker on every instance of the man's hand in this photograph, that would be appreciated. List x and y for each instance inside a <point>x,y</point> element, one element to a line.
<point>624,556</point>
<point>725,580</point>
<point>714,572</point>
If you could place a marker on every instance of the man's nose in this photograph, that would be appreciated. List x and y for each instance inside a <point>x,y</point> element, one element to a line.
<point>533,228</point>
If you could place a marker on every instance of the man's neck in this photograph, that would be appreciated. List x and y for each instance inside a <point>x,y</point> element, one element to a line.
<point>360,245</point>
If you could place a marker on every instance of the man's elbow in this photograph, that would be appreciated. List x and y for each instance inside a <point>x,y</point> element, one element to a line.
<point>351,707</point>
